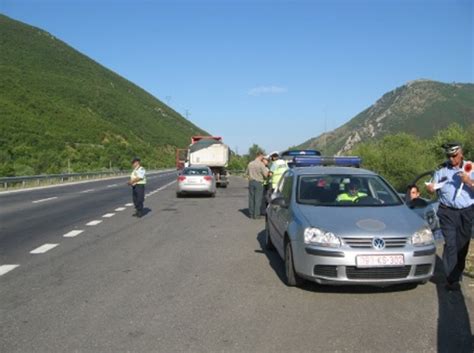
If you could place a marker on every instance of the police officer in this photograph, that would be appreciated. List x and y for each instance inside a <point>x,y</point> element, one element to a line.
<point>137,182</point>
<point>278,168</point>
<point>352,193</point>
<point>456,197</point>
<point>256,172</point>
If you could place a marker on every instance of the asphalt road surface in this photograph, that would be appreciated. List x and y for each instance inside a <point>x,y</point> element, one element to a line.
<point>190,276</point>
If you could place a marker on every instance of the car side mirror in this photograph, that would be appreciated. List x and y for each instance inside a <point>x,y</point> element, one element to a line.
<point>280,201</point>
<point>417,203</point>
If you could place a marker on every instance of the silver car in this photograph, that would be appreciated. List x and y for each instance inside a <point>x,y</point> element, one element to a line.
<point>196,180</point>
<point>341,225</point>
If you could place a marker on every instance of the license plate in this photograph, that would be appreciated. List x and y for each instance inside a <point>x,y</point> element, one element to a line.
<point>379,260</point>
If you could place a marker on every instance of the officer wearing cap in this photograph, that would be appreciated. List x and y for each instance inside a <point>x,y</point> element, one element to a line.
<point>137,182</point>
<point>455,189</point>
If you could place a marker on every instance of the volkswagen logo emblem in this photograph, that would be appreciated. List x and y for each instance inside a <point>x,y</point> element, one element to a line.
<point>378,243</point>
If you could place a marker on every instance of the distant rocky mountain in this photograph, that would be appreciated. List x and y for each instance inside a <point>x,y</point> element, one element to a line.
<point>420,107</point>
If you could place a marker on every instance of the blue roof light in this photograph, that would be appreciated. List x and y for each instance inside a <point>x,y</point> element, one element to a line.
<point>339,161</point>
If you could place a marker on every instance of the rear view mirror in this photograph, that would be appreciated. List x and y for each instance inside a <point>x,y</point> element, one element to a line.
<point>280,201</point>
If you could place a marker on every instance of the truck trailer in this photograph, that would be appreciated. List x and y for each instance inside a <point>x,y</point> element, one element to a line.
<point>209,151</point>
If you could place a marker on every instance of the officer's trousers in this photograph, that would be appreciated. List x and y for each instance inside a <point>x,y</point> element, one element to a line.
<point>255,198</point>
<point>456,226</point>
<point>138,193</point>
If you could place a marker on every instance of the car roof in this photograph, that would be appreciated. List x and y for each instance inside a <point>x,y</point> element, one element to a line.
<point>331,170</point>
<point>197,167</point>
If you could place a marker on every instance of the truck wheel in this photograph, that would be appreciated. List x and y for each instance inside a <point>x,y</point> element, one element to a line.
<point>292,278</point>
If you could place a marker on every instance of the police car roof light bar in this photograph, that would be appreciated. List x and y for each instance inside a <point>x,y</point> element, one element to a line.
<point>339,161</point>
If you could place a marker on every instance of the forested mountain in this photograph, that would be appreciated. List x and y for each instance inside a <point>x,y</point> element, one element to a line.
<point>58,108</point>
<point>421,108</point>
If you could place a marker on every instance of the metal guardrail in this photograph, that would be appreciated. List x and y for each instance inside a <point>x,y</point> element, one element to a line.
<point>36,180</point>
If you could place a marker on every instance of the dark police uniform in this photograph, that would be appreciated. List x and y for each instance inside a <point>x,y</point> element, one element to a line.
<point>455,214</point>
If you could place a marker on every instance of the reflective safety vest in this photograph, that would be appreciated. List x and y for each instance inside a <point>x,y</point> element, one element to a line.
<point>139,173</point>
<point>348,197</point>
<point>278,169</point>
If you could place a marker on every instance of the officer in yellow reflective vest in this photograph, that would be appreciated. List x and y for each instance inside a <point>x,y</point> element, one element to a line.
<point>137,182</point>
<point>277,168</point>
<point>352,193</point>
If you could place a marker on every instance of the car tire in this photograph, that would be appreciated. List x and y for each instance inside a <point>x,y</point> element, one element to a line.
<point>179,195</point>
<point>268,240</point>
<point>292,278</point>
<point>213,195</point>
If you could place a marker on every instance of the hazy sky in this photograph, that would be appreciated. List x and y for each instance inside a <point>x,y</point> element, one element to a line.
<point>269,72</point>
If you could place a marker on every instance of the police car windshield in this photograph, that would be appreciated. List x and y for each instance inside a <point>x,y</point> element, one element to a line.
<point>345,191</point>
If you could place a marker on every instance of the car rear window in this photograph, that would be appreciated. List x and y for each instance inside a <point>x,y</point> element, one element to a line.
<point>346,190</point>
<point>196,171</point>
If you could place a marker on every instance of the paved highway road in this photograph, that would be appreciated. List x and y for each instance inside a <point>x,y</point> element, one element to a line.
<point>190,276</point>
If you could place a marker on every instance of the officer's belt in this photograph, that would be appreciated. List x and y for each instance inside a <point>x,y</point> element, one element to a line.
<point>452,208</point>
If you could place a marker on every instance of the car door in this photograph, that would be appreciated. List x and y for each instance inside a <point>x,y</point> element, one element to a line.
<point>282,213</point>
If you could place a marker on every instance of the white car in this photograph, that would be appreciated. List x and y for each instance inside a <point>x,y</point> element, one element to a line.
<point>196,180</point>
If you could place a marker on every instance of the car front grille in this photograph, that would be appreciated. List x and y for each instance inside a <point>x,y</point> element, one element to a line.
<point>366,242</point>
<point>325,271</point>
<point>353,272</point>
<point>422,270</point>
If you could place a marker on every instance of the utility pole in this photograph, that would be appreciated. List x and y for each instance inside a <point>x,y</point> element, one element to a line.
<point>187,114</point>
<point>168,100</point>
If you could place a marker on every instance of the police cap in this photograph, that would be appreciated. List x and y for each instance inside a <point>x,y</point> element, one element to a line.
<point>136,159</point>
<point>451,148</point>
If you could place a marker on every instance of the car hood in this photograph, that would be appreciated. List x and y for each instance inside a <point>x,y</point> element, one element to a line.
<point>347,221</point>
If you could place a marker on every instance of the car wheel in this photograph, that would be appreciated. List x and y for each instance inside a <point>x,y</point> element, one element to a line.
<point>292,278</point>
<point>213,194</point>
<point>268,241</point>
<point>179,195</point>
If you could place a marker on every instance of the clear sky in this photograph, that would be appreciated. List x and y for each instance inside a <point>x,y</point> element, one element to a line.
<point>275,73</point>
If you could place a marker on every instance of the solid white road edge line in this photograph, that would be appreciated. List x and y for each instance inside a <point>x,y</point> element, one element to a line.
<point>43,248</point>
<point>44,200</point>
<point>4,269</point>
<point>72,233</point>
<point>94,223</point>
<point>108,215</point>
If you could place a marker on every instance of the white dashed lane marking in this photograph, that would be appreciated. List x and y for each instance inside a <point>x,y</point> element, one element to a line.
<point>119,209</point>
<point>128,204</point>
<point>93,223</point>
<point>44,200</point>
<point>112,185</point>
<point>4,269</point>
<point>72,233</point>
<point>86,191</point>
<point>108,215</point>
<point>43,248</point>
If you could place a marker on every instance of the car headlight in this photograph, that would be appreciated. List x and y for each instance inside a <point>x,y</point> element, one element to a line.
<point>424,236</point>
<point>320,237</point>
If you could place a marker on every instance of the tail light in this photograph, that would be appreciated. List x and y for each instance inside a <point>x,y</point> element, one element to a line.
<point>181,178</point>
<point>207,178</point>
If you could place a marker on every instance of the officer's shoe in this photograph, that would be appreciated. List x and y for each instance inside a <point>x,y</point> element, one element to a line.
<point>139,214</point>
